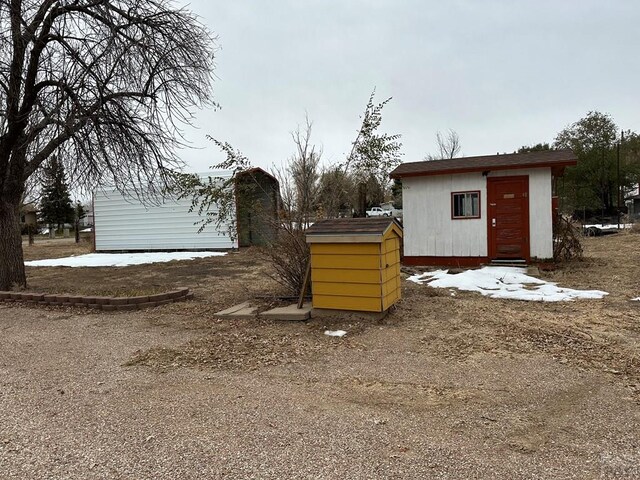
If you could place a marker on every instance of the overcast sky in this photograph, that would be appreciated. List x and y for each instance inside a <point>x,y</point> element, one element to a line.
<point>501,73</point>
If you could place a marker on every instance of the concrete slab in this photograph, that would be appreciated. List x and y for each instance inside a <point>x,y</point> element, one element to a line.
<point>233,309</point>
<point>288,313</point>
<point>242,311</point>
<point>533,271</point>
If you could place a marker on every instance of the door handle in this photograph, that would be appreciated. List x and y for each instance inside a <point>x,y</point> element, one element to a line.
<point>493,222</point>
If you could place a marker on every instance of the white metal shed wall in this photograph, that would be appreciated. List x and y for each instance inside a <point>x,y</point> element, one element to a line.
<point>126,223</point>
<point>429,230</point>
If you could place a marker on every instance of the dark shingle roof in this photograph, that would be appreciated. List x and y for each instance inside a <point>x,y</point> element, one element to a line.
<point>546,158</point>
<point>351,226</point>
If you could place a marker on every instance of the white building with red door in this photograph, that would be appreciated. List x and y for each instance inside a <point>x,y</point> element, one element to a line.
<point>475,210</point>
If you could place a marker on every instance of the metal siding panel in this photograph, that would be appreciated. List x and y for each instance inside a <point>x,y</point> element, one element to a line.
<point>123,223</point>
<point>541,219</point>
<point>429,228</point>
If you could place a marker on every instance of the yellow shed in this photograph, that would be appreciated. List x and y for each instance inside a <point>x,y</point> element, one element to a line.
<point>355,263</point>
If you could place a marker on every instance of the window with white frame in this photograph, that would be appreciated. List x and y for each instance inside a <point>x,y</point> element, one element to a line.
<point>465,205</point>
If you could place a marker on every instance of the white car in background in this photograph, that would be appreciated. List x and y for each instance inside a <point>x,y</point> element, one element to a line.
<point>378,212</point>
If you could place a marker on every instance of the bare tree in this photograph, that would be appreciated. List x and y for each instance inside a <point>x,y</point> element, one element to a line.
<point>106,85</point>
<point>300,192</point>
<point>448,146</point>
<point>337,189</point>
<point>300,179</point>
<point>305,175</point>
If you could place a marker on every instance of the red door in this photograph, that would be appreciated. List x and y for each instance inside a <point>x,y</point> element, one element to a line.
<point>508,200</point>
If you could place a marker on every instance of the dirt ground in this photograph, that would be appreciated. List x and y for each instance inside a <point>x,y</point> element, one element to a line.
<point>445,387</point>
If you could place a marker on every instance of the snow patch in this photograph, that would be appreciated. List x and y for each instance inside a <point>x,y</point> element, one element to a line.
<point>120,259</point>
<point>511,283</point>
<point>335,333</point>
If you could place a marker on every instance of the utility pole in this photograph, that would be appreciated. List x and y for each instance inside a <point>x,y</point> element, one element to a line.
<point>618,175</point>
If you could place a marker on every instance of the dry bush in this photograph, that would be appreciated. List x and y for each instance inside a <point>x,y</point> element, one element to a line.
<point>635,228</point>
<point>566,240</point>
<point>288,256</point>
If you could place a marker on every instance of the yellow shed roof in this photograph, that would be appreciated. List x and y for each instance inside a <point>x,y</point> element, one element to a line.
<point>352,230</point>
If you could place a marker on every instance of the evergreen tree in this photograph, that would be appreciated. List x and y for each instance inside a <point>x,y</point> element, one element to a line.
<point>55,206</point>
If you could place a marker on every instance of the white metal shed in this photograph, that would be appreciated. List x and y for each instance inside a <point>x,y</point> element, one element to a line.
<point>125,223</point>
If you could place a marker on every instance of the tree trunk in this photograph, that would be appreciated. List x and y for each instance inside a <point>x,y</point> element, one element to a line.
<point>12,272</point>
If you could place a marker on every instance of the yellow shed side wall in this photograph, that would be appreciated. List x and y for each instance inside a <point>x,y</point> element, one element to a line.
<point>357,276</point>
<point>346,248</point>
<point>361,304</point>
<point>340,261</point>
<point>353,289</point>
<point>391,288</point>
<point>389,300</point>
<point>347,276</point>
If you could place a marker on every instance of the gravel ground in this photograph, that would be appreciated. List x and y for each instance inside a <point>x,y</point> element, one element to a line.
<point>445,387</point>
<point>374,410</point>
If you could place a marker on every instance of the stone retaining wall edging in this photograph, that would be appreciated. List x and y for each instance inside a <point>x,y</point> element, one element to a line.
<point>107,304</point>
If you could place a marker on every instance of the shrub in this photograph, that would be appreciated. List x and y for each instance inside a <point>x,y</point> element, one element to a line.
<point>288,255</point>
<point>566,240</point>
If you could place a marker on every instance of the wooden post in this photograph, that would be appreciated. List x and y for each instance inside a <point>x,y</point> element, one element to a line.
<point>30,232</point>
<point>305,284</point>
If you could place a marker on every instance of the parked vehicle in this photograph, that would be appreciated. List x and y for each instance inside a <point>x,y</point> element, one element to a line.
<point>393,212</point>
<point>378,212</point>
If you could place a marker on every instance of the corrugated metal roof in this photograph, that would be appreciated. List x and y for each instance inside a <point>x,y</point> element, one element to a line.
<point>351,226</point>
<point>547,158</point>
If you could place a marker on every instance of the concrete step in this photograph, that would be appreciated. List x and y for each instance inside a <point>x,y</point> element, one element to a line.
<point>288,313</point>
<point>508,263</point>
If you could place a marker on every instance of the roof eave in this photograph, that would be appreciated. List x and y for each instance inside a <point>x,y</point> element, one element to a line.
<point>455,171</point>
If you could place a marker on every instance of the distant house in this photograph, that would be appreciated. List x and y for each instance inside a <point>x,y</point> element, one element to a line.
<point>475,210</point>
<point>28,214</point>
<point>125,223</point>
<point>633,206</point>
<point>87,220</point>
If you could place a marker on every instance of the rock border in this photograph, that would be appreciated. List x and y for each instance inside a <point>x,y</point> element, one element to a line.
<point>107,304</point>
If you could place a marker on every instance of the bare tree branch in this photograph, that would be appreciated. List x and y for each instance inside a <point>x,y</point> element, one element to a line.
<point>106,86</point>
<point>448,146</point>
